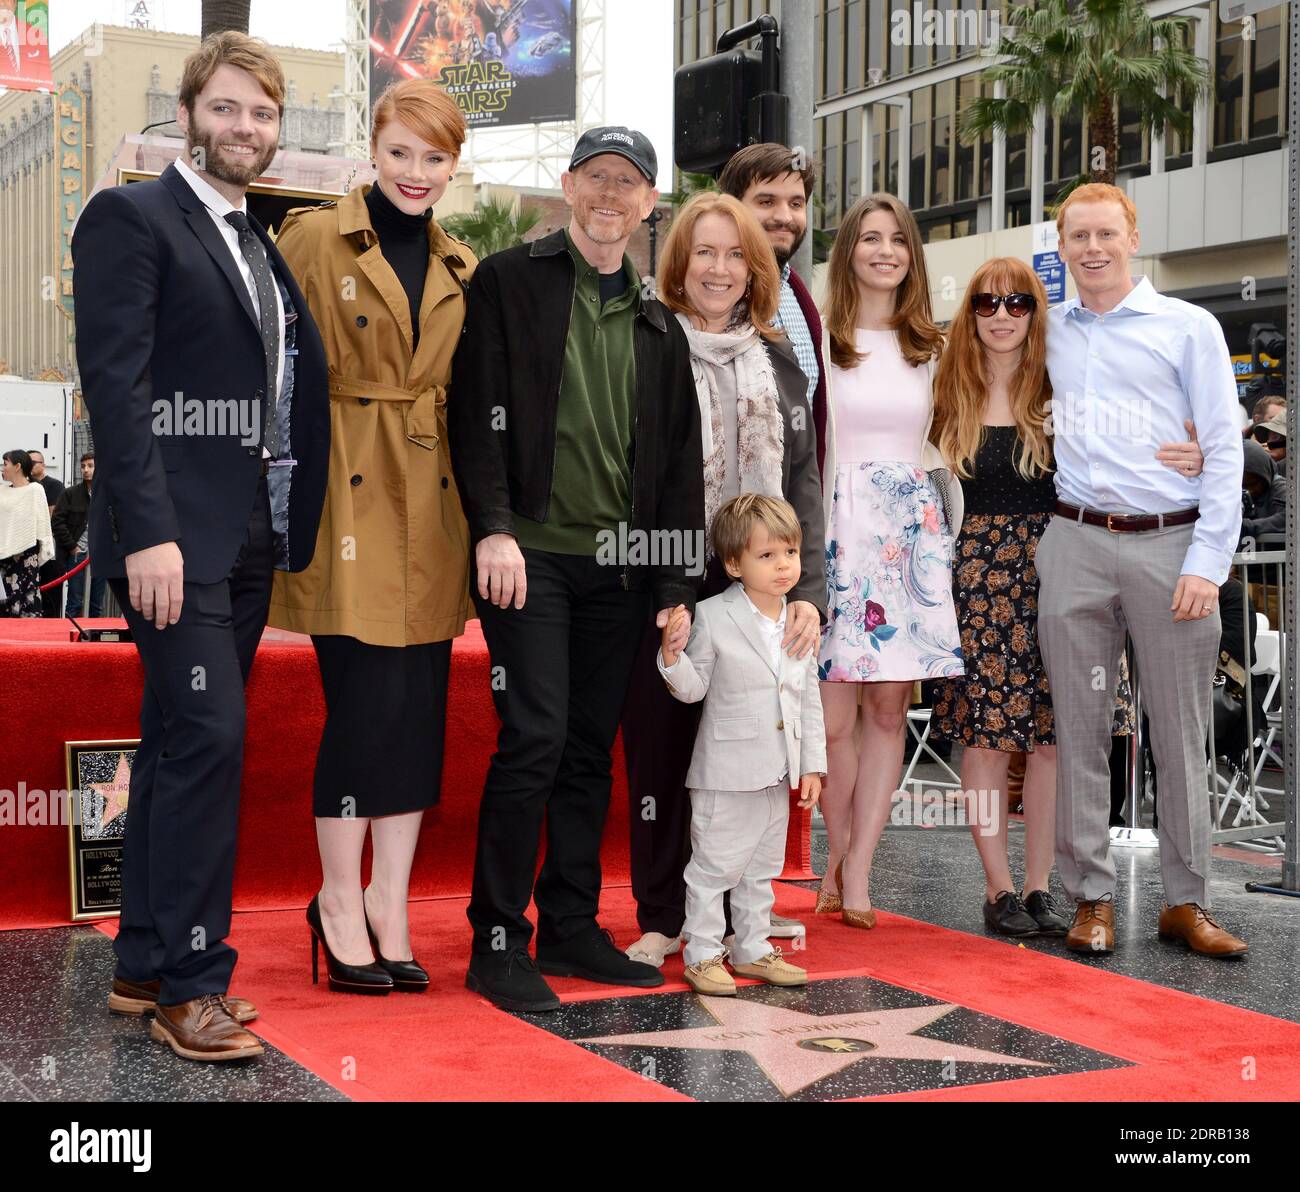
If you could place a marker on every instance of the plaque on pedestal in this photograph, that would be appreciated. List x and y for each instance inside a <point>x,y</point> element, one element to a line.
<point>99,784</point>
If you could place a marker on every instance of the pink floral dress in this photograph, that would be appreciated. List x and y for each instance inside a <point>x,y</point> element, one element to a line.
<point>888,550</point>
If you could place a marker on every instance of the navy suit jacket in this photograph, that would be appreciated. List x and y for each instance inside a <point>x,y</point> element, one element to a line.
<point>163,318</point>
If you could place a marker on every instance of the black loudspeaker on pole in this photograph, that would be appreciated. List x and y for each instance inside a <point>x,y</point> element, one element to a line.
<point>729,100</point>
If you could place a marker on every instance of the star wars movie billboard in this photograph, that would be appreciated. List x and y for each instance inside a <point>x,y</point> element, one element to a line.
<point>503,61</point>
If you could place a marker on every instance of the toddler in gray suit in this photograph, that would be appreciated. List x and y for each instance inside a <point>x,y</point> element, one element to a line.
<point>760,733</point>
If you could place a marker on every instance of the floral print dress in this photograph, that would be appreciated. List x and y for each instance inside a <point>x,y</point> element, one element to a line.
<point>889,552</point>
<point>1002,701</point>
<point>21,577</point>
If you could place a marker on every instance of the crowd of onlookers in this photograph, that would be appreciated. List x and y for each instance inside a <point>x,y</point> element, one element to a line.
<point>43,538</point>
<point>1263,484</point>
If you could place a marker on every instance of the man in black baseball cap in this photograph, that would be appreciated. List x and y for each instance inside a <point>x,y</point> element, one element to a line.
<point>575,436</point>
<point>626,142</point>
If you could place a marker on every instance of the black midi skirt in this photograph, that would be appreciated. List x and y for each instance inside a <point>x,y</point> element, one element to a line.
<point>385,720</point>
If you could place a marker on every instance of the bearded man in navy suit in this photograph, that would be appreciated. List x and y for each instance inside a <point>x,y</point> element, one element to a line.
<point>206,383</point>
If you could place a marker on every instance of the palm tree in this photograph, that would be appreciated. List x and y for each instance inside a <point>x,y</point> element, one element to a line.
<point>691,184</point>
<point>1087,58</point>
<point>223,14</point>
<point>492,226</point>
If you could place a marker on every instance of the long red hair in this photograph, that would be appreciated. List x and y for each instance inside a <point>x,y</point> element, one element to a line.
<point>961,381</point>
<point>919,337</point>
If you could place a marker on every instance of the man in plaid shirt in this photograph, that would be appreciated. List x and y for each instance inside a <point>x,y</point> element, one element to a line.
<point>774,182</point>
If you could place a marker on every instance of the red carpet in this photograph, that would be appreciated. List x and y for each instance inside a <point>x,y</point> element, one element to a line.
<point>450,1044</point>
<point>90,691</point>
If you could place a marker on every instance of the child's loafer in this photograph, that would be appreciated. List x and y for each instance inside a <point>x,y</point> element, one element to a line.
<point>772,969</point>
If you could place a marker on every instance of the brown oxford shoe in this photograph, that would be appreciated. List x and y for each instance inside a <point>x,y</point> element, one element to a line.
<point>1189,923</point>
<point>1093,929</point>
<point>140,997</point>
<point>203,1029</point>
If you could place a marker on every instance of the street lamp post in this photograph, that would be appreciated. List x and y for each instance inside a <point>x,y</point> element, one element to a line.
<point>1291,861</point>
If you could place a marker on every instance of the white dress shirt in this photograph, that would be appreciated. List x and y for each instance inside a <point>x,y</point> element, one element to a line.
<point>218,207</point>
<point>1122,384</point>
<point>773,631</point>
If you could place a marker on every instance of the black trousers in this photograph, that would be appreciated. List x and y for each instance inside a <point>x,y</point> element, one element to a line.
<point>52,600</point>
<point>658,739</point>
<point>183,814</point>
<point>560,669</point>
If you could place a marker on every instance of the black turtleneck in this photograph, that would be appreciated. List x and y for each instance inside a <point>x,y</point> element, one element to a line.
<point>404,241</point>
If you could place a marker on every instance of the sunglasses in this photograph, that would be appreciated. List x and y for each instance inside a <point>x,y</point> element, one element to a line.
<point>1268,438</point>
<point>1018,305</point>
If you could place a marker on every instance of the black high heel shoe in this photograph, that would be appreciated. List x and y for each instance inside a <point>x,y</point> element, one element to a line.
<point>407,975</point>
<point>346,978</point>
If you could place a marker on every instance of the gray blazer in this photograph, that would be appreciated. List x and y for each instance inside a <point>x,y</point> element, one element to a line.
<point>757,720</point>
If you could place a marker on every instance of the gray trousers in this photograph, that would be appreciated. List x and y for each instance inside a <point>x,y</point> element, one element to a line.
<point>1094,586</point>
<point>737,844</point>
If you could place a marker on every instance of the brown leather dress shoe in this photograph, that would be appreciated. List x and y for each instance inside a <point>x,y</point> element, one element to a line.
<point>1093,929</point>
<point>203,1029</point>
<point>140,997</point>
<point>1189,923</point>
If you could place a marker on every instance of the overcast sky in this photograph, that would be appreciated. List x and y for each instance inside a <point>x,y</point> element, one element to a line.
<point>638,48</point>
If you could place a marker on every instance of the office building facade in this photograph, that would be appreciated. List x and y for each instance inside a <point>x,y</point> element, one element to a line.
<point>892,76</point>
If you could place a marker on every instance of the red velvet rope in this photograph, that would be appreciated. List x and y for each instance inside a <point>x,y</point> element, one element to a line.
<point>54,583</point>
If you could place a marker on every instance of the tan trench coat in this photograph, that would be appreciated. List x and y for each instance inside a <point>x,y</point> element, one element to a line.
<point>391,566</point>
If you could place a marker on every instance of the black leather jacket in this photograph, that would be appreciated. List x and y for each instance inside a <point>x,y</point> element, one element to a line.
<point>505,388</point>
<point>69,518</point>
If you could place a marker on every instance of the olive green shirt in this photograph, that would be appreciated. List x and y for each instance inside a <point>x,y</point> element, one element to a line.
<point>591,486</point>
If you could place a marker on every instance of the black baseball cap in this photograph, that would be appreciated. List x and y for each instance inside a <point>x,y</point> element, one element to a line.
<point>614,138</point>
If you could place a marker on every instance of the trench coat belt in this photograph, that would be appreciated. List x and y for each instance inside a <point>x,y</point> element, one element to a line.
<point>423,417</point>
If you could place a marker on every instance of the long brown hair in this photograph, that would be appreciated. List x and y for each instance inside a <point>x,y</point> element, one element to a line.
<point>961,381</point>
<point>760,260</point>
<point>919,336</point>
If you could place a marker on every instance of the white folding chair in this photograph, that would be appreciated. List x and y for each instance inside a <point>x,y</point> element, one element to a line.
<point>1237,798</point>
<point>921,716</point>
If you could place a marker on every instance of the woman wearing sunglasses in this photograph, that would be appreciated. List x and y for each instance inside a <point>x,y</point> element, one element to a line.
<point>992,423</point>
<point>888,544</point>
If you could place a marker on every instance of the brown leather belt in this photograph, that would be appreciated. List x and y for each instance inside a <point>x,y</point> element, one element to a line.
<point>1126,523</point>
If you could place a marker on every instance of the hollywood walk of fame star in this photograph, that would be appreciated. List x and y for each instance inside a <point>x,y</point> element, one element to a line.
<point>795,1049</point>
<point>115,793</point>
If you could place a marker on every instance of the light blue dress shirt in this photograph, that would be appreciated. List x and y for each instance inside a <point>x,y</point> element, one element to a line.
<point>1122,384</point>
<point>789,318</point>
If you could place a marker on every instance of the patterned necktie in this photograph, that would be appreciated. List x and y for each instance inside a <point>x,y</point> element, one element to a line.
<point>268,323</point>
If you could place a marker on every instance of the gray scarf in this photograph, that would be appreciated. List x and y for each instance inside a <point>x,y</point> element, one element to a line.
<point>760,429</point>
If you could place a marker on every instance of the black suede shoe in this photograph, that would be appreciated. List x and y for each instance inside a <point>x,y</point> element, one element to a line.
<point>1050,921</point>
<point>511,981</point>
<point>1006,915</point>
<point>593,956</point>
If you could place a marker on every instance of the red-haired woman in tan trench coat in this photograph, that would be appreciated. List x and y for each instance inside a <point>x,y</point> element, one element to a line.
<point>387,588</point>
